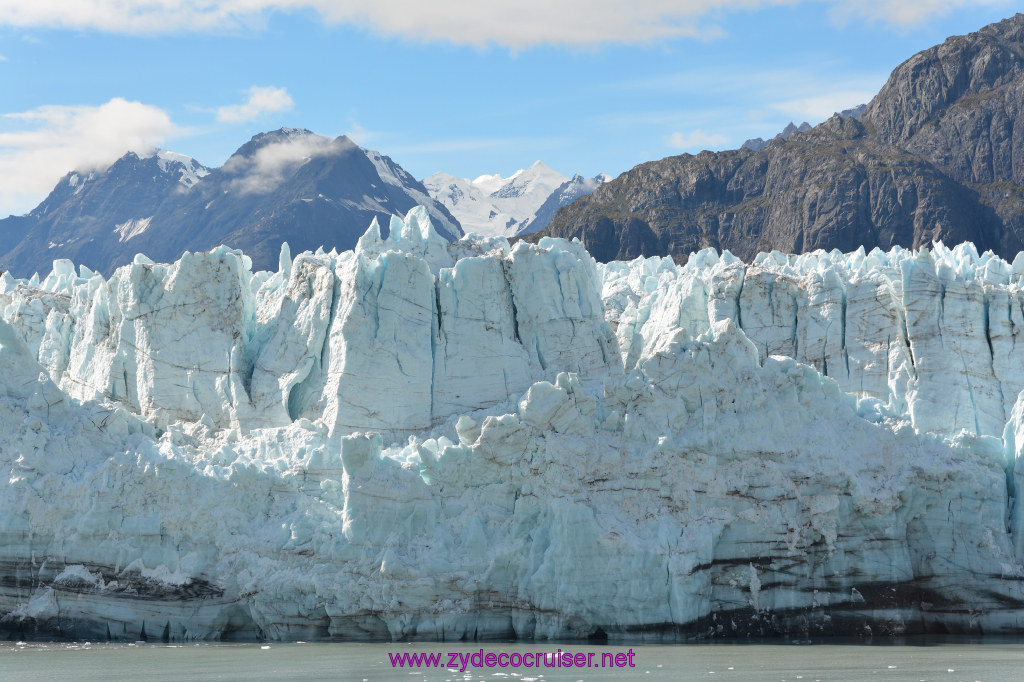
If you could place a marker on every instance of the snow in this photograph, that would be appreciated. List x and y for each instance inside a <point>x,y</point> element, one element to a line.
<point>132,228</point>
<point>190,171</point>
<point>492,205</point>
<point>77,182</point>
<point>492,183</point>
<point>580,186</point>
<point>423,439</point>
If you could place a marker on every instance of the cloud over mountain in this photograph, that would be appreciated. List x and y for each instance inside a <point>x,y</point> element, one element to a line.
<point>261,100</point>
<point>40,145</point>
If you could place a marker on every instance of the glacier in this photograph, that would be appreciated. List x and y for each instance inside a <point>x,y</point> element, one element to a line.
<point>472,440</point>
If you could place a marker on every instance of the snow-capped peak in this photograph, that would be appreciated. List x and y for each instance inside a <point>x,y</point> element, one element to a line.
<point>191,170</point>
<point>493,204</point>
<point>563,195</point>
<point>491,183</point>
<point>536,180</point>
<point>535,175</point>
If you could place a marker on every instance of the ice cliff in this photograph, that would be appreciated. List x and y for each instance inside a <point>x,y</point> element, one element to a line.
<point>466,440</point>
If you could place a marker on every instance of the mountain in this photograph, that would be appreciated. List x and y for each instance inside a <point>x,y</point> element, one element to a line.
<point>493,205</point>
<point>287,185</point>
<point>936,154</point>
<point>563,195</point>
<point>88,211</point>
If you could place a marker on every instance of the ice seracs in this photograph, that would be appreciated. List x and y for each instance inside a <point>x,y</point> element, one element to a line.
<point>442,440</point>
<point>931,334</point>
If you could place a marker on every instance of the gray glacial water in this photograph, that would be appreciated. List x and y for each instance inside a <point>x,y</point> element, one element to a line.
<point>987,662</point>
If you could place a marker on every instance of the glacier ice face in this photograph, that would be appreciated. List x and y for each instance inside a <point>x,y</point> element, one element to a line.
<point>433,440</point>
<point>930,334</point>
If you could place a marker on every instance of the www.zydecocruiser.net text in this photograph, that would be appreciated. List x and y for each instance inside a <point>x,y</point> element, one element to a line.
<point>463,660</point>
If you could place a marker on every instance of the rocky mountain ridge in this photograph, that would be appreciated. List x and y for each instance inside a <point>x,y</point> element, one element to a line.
<point>791,129</point>
<point>285,185</point>
<point>938,153</point>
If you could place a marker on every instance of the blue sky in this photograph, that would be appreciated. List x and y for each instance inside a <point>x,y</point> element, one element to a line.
<point>463,86</point>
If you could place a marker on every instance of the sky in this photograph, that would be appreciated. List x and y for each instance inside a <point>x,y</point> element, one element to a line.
<point>468,87</point>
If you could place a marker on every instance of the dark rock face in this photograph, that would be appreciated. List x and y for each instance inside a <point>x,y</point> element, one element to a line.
<point>79,218</point>
<point>325,194</point>
<point>937,154</point>
<point>286,185</point>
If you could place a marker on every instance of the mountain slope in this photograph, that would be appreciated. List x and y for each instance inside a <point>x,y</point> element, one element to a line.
<point>286,185</point>
<point>563,195</point>
<point>89,215</point>
<point>293,186</point>
<point>937,154</point>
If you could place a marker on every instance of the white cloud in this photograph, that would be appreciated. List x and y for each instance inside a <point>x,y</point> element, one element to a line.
<point>38,147</point>
<point>3,58</point>
<point>526,23</point>
<point>697,140</point>
<point>904,12</point>
<point>272,163</point>
<point>817,108</point>
<point>261,100</point>
<point>515,25</point>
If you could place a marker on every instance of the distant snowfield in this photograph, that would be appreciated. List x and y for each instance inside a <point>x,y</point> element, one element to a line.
<point>423,439</point>
<point>493,206</point>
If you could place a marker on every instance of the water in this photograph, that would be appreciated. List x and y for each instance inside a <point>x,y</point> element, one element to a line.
<point>985,662</point>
